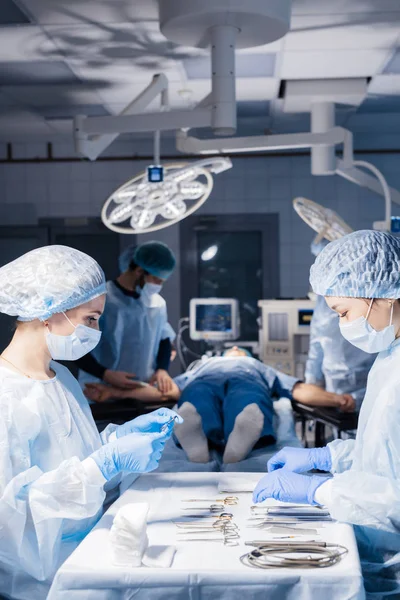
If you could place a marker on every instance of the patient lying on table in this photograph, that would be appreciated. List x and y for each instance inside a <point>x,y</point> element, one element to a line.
<point>227,404</point>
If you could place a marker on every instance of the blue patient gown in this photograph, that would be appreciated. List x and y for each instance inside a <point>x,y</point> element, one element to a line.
<point>333,362</point>
<point>220,388</point>
<point>49,498</point>
<point>365,489</point>
<point>131,334</point>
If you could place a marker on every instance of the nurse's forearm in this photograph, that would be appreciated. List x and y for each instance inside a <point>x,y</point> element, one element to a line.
<point>149,394</point>
<point>313,395</point>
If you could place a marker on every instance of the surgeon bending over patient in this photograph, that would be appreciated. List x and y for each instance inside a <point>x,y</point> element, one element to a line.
<point>227,403</point>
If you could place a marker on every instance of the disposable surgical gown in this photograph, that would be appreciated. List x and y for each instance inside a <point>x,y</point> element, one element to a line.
<point>365,489</point>
<point>131,334</point>
<point>49,496</point>
<point>332,361</point>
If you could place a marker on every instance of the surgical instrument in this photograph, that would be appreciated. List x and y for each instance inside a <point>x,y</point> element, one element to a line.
<point>213,508</point>
<point>275,555</point>
<point>167,424</point>
<point>228,501</point>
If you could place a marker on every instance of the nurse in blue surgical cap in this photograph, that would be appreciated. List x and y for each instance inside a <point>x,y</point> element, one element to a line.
<point>54,465</point>
<point>137,338</point>
<point>359,276</point>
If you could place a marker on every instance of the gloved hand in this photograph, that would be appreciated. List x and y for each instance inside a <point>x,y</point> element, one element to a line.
<point>150,423</point>
<point>288,487</point>
<point>300,460</point>
<point>134,453</point>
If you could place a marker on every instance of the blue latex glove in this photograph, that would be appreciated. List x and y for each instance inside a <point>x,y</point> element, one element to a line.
<point>150,423</point>
<point>134,453</point>
<point>286,486</point>
<point>300,460</point>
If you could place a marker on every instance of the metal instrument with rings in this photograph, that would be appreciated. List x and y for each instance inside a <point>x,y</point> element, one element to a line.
<point>203,516</point>
<point>224,540</point>
<point>280,555</point>
<point>168,423</point>
<point>213,508</point>
<point>225,525</point>
<point>227,501</point>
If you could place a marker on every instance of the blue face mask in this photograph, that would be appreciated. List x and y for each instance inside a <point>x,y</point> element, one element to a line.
<point>72,347</point>
<point>363,336</point>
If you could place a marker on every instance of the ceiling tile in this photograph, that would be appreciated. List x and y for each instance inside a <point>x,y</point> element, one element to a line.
<point>68,112</point>
<point>53,95</point>
<point>247,65</point>
<point>393,66</point>
<point>26,43</point>
<point>35,72</point>
<point>385,84</point>
<point>52,12</point>
<point>11,14</point>
<point>329,32</point>
<point>344,7</point>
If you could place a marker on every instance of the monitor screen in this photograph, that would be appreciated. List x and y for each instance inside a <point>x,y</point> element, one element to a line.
<point>214,317</point>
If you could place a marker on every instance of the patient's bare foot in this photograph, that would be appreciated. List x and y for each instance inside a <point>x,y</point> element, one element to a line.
<point>190,434</point>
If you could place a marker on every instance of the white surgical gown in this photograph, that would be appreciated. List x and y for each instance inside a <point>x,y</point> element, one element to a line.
<point>365,489</point>
<point>49,496</point>
<point>131,334</point>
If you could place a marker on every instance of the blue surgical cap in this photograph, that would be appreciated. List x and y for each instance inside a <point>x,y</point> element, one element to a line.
<point>363,264</point>
<point>49,280</point>
<point>154,257</point>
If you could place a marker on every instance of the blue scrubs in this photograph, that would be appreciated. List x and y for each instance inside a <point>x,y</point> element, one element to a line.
<point>221,388</point>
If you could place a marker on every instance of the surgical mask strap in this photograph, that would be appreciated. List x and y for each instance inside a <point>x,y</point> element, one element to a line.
<point>391,313</point>
<point>369,309</point>
<point>69,321</point>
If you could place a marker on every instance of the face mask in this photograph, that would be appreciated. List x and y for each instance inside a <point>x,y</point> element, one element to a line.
<point>363,336</point>
<point>74,346</point>
<point>148,290</point>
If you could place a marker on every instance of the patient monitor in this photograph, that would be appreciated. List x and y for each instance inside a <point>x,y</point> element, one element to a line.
<point>285,334</point>
<point>214,319</point>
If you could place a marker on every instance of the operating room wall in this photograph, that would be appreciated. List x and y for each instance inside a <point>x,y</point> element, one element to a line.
<point>253,185</point>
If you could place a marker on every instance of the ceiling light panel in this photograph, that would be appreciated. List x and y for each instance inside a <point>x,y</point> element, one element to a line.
<point>332,64</point>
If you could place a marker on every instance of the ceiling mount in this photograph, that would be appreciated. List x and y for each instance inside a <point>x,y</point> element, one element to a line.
<point>257,22</point>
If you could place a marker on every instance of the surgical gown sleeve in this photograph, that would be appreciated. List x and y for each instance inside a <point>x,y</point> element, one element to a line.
<point>38,510</point>
<point>342,455</point>
<point>368,493</point>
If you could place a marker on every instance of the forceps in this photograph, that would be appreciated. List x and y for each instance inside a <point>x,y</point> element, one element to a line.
<point>225,541</point>
<point>167,424</point>
<point>228,501</point>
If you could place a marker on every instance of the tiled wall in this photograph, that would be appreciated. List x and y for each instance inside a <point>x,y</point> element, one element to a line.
<point>253,185</point>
